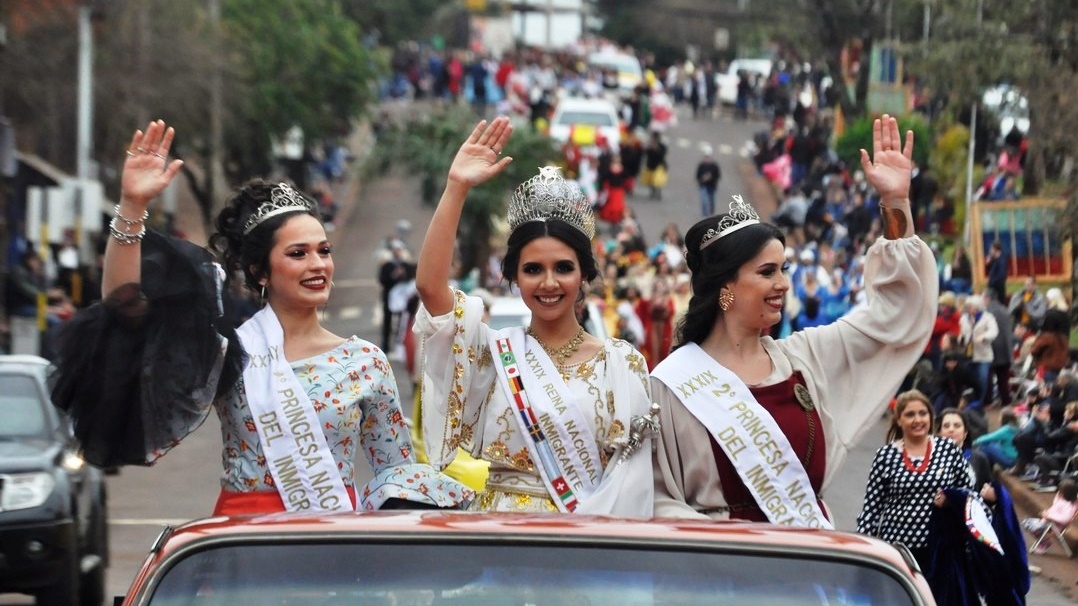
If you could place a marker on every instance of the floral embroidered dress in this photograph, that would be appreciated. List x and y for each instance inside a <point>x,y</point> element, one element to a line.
<point>464,406</point>
<point>143,369</point>
<point>353,392</point>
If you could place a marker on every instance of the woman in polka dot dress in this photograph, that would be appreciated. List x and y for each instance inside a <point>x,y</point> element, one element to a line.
<point>908,476</point>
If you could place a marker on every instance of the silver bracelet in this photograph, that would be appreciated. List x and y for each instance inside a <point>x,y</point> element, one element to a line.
<point>123,237</point>
<point>145,215</point>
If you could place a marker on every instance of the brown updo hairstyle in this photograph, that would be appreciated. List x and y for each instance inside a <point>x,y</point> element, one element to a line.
<point>250,253</point>
<point>894,432</point>
<point>715,267</point>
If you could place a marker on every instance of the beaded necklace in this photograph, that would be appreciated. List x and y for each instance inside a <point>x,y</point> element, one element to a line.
<point>924,462</point>
<point>564,352</point>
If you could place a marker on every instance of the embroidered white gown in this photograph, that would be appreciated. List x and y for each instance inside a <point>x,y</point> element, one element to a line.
<point>463,406</point>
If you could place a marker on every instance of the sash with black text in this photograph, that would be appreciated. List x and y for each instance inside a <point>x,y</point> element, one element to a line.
<point>558,435</point>
<point>747,433</point>
<point>297,454</point>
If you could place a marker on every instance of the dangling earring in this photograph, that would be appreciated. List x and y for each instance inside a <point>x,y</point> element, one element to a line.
<point>726,299</point>
<point>263,292</point>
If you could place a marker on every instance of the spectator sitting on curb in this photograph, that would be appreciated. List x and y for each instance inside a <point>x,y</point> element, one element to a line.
<point>998,446</point>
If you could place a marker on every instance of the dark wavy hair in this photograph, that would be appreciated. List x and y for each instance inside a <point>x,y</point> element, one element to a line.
<point>554,228</point>
<point>250,253</point>
<point>961,414</point>
<point>1056,321</point>
<point>715,267</point>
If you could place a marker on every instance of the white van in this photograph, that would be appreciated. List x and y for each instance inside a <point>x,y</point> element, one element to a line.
<point>598,116</point>
<point>727,82</point>
<point>625,65</point>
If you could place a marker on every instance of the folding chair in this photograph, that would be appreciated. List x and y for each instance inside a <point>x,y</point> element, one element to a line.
<point>1070,468</point>
<point>1057,534</point>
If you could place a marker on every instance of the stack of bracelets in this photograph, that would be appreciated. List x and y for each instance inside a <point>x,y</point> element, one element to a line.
<point>126,235</point>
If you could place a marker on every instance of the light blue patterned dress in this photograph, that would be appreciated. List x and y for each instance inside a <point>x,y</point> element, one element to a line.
<point>353,392</point>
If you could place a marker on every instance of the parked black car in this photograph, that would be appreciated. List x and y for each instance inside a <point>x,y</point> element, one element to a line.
<point>53,513</point>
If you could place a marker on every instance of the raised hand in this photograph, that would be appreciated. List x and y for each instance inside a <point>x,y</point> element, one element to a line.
<point>891,166</point>
<point>478,158</point>
<point>147,171</point>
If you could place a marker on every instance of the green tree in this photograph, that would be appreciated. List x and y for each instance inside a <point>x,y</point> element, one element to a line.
<point>1032,46</point>
<point>858,136</point>
<point>394,22</point>
<point>427,144</point>
<point>282,62</point>
<point>303,64</point>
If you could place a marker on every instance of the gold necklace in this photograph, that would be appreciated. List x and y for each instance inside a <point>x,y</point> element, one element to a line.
<point>562,353</point>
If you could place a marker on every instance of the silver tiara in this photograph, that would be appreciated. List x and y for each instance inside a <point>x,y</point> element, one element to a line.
<point>741,214</point>
<point>283,199</point>
<point>549,196</point>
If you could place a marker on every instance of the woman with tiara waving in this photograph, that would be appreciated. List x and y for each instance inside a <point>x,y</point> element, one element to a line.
<point>141,370</point>
<point>753,428</point>
<point>563,418</point>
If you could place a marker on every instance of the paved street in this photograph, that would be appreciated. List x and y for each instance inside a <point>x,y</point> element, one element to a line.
<point>184,484</point>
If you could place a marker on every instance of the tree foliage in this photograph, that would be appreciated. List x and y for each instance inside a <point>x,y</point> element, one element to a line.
<point>303,64</point>
<point>427,145</point>
<point>858,136</point>
<point>282,63</point>
<point>393,22</point>
<point>1032,46</point>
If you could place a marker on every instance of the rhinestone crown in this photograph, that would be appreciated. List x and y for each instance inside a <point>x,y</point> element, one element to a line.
<point>283,199</point>
<point>549,196</point>
<point>741,214</point>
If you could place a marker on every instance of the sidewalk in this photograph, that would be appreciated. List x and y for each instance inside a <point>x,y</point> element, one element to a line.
<point>1054,565</point>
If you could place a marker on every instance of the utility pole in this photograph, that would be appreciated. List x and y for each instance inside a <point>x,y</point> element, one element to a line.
<point>85,92</point>
<point>549,10</point>
<point>927,23</point>
<point>217,137</point>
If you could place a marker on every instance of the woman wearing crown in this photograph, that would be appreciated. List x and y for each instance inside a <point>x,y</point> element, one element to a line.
<point>141,371</point>
<point>754,428</point>
<point>557,412</point>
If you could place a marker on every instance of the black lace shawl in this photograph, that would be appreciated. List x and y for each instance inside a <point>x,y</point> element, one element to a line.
<point>140,370</point>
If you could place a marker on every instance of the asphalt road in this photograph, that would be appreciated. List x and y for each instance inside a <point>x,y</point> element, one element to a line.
<point>184,484</point>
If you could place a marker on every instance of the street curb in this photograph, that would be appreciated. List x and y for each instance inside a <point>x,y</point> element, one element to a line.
<point>1053,566</point>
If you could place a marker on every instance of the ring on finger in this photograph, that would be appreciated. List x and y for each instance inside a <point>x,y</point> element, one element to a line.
<point>141,151</point>
<point>157,155</point>
<point>130,153</point>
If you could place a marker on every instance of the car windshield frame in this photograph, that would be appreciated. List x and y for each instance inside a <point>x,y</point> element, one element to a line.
<point>589,117</point>
<point>629,571</point>
<point>23,407</point>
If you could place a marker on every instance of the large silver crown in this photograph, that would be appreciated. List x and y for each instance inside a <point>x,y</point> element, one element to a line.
<point>741,215</point>
<point>548,196</point>
<point>283,199</point>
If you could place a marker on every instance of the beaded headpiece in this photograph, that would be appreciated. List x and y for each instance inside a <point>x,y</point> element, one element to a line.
<point>549,196</point>
<point>283,199</point>
<point>741,215</point>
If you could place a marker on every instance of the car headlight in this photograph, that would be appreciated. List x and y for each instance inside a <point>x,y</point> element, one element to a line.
<point>72,462</point>
<point>25,490</point>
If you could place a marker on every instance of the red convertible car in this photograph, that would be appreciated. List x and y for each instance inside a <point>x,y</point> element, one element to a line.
<point>476,559</point>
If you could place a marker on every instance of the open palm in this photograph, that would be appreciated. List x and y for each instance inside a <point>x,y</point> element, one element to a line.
<point>891,166</point>
<point>478,157</point>
<point>147,171</point>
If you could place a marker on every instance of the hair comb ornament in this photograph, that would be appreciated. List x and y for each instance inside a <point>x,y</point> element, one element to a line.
<point>741,214</point>
<point>283,199</point>
<point>549,196</point>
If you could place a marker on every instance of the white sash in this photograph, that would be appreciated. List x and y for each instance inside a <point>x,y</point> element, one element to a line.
<point>754,443</point>
<point>559,437</point>
<point>297,454</point>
